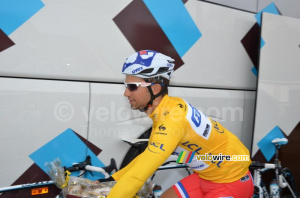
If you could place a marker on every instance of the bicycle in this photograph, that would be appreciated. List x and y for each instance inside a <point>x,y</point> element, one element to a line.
<point>148,190</point>
<point>283,176</point>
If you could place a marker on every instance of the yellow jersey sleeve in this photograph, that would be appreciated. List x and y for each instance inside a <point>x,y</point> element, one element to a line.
<point>117,175</point>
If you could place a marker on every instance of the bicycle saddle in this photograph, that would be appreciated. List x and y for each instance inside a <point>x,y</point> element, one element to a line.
<point>280,141</point>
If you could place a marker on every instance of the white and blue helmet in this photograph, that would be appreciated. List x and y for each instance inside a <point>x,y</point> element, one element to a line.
<point>148,64</point>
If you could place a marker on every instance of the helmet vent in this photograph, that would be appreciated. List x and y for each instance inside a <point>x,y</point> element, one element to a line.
<point>150,70</point>
<point>162,70</point>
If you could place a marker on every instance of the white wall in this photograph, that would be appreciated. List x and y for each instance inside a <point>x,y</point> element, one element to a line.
<point>32,112</point>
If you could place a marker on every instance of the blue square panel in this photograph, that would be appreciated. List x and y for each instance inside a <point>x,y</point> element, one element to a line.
<point>265,144</point>
<point>176,22</point>
<point>13,13</point>
<point>69,149</point>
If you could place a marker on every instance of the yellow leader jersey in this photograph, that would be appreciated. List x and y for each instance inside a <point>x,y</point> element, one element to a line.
<point>178,126</point>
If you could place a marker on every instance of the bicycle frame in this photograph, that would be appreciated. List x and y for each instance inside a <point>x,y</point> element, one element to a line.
<point>259,168</point>
<point>257,180</point>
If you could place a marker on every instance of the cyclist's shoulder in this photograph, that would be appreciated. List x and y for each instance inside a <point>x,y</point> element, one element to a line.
<point>175,103</point>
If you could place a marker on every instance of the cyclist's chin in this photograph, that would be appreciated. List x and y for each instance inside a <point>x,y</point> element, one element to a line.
<point>136,107</point>
<point>133,107</point>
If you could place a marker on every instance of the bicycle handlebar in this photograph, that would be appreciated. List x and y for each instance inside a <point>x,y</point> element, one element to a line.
<point>259,165</point>
<point>79,166</point>
<point>97,169</point>
<point>87,165</point>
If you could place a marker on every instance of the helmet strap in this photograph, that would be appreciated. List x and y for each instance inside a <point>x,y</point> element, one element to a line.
<point>152,97</point>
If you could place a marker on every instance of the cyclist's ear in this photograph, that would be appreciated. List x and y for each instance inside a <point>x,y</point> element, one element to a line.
<point>156,88</point>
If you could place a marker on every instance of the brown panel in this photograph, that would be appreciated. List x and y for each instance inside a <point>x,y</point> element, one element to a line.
<point>5,41</point>
<point>90,145</point>
<point>143,32</point>
<point>251,43</point>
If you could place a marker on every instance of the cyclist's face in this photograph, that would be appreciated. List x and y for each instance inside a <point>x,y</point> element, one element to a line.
<point>139,97</point>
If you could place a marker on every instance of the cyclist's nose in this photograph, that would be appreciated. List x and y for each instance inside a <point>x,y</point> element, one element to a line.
<point>127,92</point>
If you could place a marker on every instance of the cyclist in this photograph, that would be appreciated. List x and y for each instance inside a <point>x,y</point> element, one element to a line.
<point>178,126</point>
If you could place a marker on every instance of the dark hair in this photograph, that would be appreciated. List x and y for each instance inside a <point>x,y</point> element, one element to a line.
<point>162,81</point>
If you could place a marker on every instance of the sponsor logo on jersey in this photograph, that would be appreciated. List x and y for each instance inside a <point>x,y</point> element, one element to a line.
<point>192,146</point>
<point>166,113</point>
<point>161,133</point>
<point>156,147</point>
<point>200,124</point>
<point>162,127</point>
<point>154,116</point>
<point>217,126</point>
<point>180,105</point>
<point>206,131</point>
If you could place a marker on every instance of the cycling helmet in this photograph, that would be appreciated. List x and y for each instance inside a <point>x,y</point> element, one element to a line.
<point>148,64</point>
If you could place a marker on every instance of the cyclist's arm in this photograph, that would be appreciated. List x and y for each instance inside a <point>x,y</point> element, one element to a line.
<point>160,147</point>
<point>117,175</point>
